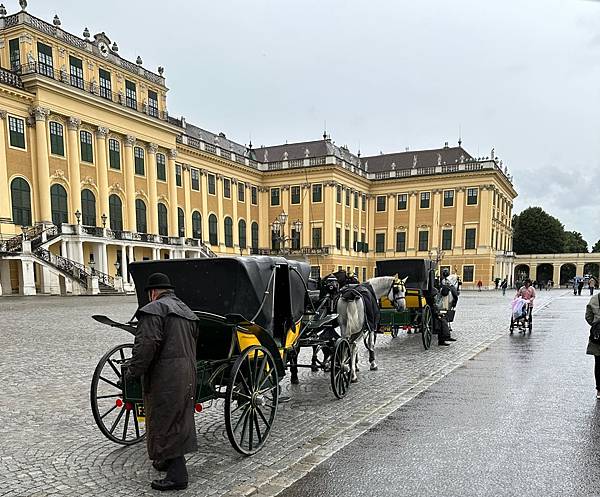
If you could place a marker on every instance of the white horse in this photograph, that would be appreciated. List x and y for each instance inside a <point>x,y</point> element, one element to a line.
<point>352,318</point>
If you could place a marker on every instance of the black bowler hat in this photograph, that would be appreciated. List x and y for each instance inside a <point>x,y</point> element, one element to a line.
<point>158,281</point>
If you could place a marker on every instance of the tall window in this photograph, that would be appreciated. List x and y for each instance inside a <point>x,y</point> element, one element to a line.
<point>380,243</point>
<point>163,221</point>
<point>254,195</point>
<point>468,274</point>
<point>380,203</point>
<point>226,188</point>
<point>87,150</point>
<point>295,239</point>
<point>241,189</point>
<point>180,221</point>
<point>364,203</point>
<point>16,129</point>
<point>338,194</point>
<point>347,239</point>
<point>152,103</point>
<point>356,200</point>
<point>423,240</point>
<point>317,193</point>
<point>402,201</point>
<point>212,184</point>
<point>315,272</point>
<point>105,84</point>
<point>425,200</point>
<point>45,64</point>
<point>195,175</point>
<point>275,241</point>
<point>295,195</point>
<point>178,181</point>
<point>138,155</point>
<point>58,204</point>
<point>228,232</point>
<point>338,238</point>
<point>161,167</point>
<point>401,241</point>
<point>470,234</point>
<point>141,225</point>
<point>274,197</point>
<point>448,198</point>
<point>254,235</point>
<point>446,239</point>
<point>57,141</point>
<point>212,230</point>
<point>472,194</point>
<point>196,225</point>
<point>242,233</point>
<point>347,197</point>
<point>15,54</point>
<point>317,237</point>
<point>20,194</point>
<point>130,94</point>
<point>115,211</point>
<point>88,208</point>
<point>76,67</point>
<point>114,154</point>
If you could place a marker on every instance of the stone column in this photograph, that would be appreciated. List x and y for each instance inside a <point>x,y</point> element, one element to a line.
<point>129,174</point>
<point>173,225</point>
<point>437,211</point>
<point>124,265</point>
<point>131,256</point>
<point>152,192</point>
<point>187,202</point>
<point>43,164</point>
<point>556,275</point>
<point>264,232</point>
<point>351,246</point>
<point>343,225</point>
<point>485,217</point>
<point>103,258</point>
<point>27,286</point>
<point>412,224</point>
<point>5,282</point>
<point>102,170</point>
<point>371,222</point>
<point>391,211</point>
<point>306,226</point>
<point>579,268</point>
<point>220,217</point>
<point>459,235</point>
<point>330,213</point>
<point>234,216</point>
<point>248,201</point>
<point>5,211</point>
<point>73,159</point>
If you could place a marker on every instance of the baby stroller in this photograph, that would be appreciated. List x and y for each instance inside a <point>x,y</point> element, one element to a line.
<point>521,315</point>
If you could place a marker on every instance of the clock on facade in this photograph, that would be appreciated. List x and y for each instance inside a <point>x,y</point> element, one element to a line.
<point>103,47</point>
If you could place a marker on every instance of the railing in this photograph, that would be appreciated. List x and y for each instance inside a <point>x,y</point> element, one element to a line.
<point>287,251</point>
<point>10,78</point>
<point>72,268</point>
<point>35,235</point>
<point>92,230</point>
<point>92,88</point>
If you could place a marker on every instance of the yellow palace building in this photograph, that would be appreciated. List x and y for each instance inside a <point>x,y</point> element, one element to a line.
<point>95,173</point>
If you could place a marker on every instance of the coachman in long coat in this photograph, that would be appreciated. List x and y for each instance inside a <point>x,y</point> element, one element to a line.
<point>164,354</point>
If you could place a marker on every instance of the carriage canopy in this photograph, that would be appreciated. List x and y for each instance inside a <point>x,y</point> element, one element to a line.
<point>233,285</point>
<point>420,272</point>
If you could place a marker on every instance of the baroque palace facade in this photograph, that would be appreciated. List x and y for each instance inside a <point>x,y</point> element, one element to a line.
<point>94,173</point>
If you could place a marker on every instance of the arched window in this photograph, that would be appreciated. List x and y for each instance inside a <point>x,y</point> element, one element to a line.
<point>88,208</point>
<point>163,223</point>
<point>228,232</point>
<point>196,225</point>
<point>58,204</point>
<point>242,233</point>
<point>180,221</point>
<point>213,237</point>
<point>254,235</point>
<point>20,193</point>
<point>140,216</point>
<point>115,211</point>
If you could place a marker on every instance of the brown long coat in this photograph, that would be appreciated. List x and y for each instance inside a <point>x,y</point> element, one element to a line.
<point>164,353</point>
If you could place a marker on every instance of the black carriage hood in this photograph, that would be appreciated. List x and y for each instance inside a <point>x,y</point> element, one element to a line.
<point>231,285</point>
<point>420,272</point>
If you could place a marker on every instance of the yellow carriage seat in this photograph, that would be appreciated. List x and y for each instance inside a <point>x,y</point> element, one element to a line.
<point>412,300</point>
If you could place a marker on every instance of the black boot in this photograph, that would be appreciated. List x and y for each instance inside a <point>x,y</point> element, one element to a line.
<point>177,476</point>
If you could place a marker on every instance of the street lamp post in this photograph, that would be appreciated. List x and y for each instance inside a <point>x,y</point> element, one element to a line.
<point>278,230</point>
<point>104,217</point>
<point>78,216</point>
<point>436,255</point>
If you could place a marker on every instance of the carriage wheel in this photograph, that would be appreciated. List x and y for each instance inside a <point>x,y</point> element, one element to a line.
<point>341,368</point>
<point>426,327</point>
<point>116,418</point>
<point>251,400</point>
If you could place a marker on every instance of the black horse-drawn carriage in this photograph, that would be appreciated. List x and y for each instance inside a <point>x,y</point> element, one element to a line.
<point>250,312</point>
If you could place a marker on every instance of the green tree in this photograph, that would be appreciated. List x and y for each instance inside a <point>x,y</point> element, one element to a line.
<point>574,243</point>
<point>537,232</point>
<point>596,247</point>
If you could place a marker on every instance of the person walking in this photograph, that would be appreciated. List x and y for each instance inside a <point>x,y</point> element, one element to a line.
<point>504,286</point>
<point>579,286</point>
<point>592,285</point>
<point>479,285</point>
<point>575,283</point>
<point>164,356</point>
<point>592,316</point>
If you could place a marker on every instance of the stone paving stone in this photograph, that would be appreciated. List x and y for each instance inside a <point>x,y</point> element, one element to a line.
<point>51,445</point>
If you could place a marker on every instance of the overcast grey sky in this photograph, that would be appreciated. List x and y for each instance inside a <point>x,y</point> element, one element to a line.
<point>522,76</point>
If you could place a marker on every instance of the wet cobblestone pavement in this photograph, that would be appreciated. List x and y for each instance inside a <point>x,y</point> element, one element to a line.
<point>50,444</point>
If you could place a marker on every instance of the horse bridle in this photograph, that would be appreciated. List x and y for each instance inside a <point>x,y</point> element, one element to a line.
<point>395,288</point>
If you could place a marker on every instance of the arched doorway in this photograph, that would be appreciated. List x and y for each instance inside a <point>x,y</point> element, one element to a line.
<point>20,194</point>
<point>88,208</point>
<point>115,211</point>
<point>544,273</point>
<point>58,204</point>
<point>567,272</point>
<point>521,274</point>
<point>592,268</point>
<point>163,221</point>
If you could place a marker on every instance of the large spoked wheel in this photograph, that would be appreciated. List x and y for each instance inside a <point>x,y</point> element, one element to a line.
<point>116,418</point>
<point>340,368</point>
<point>251,400</point>
<point>426,327</point>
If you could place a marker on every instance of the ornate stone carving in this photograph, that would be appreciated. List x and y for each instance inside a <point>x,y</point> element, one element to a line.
<point>263,189</point>
<point>412,193</point>
<point>219,176</point>
<point>88,181</point>
<point>141,193</point>
<point>152,148</point>
<point>2,114</point>
<point>331,183</point>
<point>115,188</point>
<point>187,167</point>
<point>130,140</point>
<point>306,186</point>
<point>73,123</point>
<point>173,154</point>
<point>102,132</point>
<point>163,198</point>
<point>40,113</point>
<point>58,174</point>
<point>285,188</point>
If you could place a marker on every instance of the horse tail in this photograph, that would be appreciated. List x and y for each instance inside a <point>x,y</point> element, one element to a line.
<point>353,320</point>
